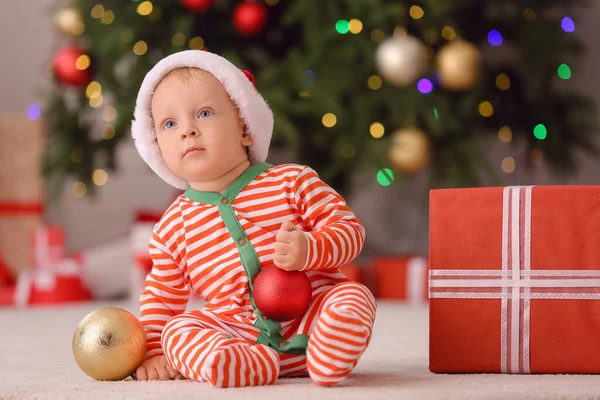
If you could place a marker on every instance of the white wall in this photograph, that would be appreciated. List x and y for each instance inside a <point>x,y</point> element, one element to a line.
<point>395,217</point>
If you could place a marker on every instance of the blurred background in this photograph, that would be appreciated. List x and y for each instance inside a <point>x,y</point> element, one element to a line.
<point>384,99</point>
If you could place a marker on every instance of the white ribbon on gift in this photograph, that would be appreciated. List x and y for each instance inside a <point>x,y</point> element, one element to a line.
<point>516,284</point>
<point>415,282</point>
<point>43,279</point>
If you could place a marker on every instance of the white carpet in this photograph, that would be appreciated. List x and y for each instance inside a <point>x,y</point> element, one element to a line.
<point>36,362</point>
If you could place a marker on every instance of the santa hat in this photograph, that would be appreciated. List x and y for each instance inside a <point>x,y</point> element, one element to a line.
<point>238,84</point>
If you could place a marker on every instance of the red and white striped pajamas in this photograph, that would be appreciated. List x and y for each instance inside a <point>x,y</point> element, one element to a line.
<point>193,250</point>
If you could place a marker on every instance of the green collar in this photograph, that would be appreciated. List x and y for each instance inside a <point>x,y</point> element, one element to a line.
<point>232,191</point>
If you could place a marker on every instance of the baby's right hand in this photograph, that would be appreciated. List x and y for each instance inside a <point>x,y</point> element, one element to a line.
<point>157,368</point>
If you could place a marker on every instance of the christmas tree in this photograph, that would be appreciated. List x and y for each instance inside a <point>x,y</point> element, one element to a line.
<point>393,87</point>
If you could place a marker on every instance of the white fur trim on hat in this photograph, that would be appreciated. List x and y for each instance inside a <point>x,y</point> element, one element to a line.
<point>253,108</point>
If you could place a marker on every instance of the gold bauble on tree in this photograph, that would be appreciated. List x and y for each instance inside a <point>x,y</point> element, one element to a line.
<point>68,21</point>
<point>109,344</point>
<point>410,150</point>
<point>459,64</point>
<point>402,59</point>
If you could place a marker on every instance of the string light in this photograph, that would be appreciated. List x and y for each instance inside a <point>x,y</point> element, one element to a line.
<point>329,120</point>
<point>567,24</point>
<point>82,62</point>
<point>377,35</point>
<point>377,130</point>
<point>33,112</point>
<point>342,26</point>
<point>109,114</point>
<point>108,132</point>
<point>536,156</point>
<point>196,43</point>
<point>540,131</point>
<point>108,17</point>
<point>99,177</point>
<point>448,33</point>
<point>436,113</point>
<point>97,101</point>
<point>140,48</point>
<point>425,86</point>
<point>508,165</point>
<point>355,26</point>
<point>505,134</point>
<point>144,8</point>
<point>529,15</point>
<point>416,12</point>
<point>564,72</point>
<point>503,82</point>
<point>94,89</point>
<point>79,189</point>
<point>486,109</point>
<point>385,177</point>
<point>374,82</point>
<point>495,38</point>
<point>97,11</point>
<point>178,39</point>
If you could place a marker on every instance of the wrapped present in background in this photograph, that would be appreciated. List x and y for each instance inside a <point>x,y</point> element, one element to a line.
<point>401,278</point>
<point>353,272</point>
<point>141,233</point>
<point>21,189</point>
<point>515,280</point>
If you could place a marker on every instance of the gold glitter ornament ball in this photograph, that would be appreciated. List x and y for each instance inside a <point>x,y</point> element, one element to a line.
<point>109,344</point>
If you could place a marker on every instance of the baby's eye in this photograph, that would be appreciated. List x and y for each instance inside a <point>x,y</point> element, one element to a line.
<point>205,113</point>
<point>170,124</point>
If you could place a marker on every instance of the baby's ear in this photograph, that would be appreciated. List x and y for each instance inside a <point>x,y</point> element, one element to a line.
<point>246,138</point>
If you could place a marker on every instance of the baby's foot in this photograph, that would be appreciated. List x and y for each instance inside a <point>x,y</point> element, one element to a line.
<point>239,365</point>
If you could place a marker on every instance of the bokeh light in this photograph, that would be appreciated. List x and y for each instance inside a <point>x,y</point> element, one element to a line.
<point>355,26</point>
<point>97,11</point>
<point>486,109</point>
<point>178,39</point>
<point>342,26</point>
<point>140,48</point>
<point>377,130</point>
<point>564,72</point>
<point>94,89</point>
<point>508,165</point>
<point>96,102</point>
<point>82,62</point>
<point>374,82</point>
<point>495,38</point>
<point>99,177</point>
<point>503,82</point>
<point>145,8</point>
<point>540,131</point>
<point>425,86</point>
<point>79,189</point>
<point>108,17</point>
<point>567,24</point>
<point>536,156</point>
<point>505,134</point>
<point>33,112</point>
<point>329,120</point>
<point>109,114</point>
<point>108,132</point>
<point>348,151</point>
<point>385,177</point>
<point>448,33</point>
<point>196,43</point>
<point>416,12</point>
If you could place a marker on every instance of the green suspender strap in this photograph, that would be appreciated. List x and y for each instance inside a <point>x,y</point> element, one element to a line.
<point>269,329</point>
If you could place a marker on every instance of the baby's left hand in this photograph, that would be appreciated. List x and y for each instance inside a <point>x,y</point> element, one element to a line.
<point>290,247</point>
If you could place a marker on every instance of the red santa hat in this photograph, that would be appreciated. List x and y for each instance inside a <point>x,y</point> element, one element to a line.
<point>238,84</point>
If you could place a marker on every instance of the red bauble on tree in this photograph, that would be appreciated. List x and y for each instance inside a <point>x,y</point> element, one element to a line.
<point>249,18</point>
<point>71,66</point>
<point>281,295</point>
<point>197,5</point>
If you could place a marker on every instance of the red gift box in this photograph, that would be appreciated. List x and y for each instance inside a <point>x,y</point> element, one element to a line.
<point>401,278</point>
<point>515,280</point>
<point>352,272</point>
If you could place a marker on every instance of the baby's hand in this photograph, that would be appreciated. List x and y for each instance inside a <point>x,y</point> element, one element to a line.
<point>157,368</point>
<point>290,247</point>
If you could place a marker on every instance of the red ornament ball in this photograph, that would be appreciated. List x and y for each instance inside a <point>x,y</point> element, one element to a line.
<point>197,5</point>
<point>71,66</point>
<point>281,295</point>
<point>249,18</point>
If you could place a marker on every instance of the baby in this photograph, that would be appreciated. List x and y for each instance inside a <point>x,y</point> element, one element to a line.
<point>201,126</point>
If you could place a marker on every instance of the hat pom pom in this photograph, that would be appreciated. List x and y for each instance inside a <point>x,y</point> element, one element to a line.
<point>249,76</point>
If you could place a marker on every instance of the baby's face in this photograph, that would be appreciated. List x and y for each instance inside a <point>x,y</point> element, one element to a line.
<point>198,127</point>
